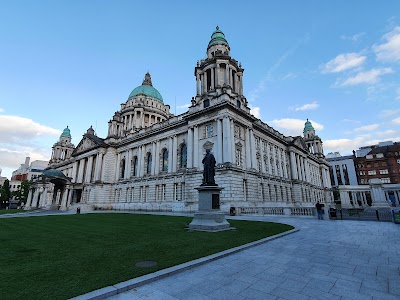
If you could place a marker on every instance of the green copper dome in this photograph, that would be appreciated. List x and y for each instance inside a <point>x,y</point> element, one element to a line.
<point>218,38</point>
<point>66,133</point>
<point>308,126</point>
<point>54,173</point>
<point>147,89</point>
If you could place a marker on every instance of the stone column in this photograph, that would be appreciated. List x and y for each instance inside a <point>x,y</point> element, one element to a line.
<point>190,148</point>
<point>253,150</point>
<point>198,83</point>
<point>89,169</point>
<point>43,198</point>
<point>232,139</point>
<point>141,160</point>
<point>212,78</point>
<point>217,76</point>
<point>157,161</point>
<point>262,162</point>
<point>128,164</point>
<point>29,200</point>
<point>74,175</point>
<point>227,148</point>
<point>219,141</point>
<point>226,74</point>
<point>80,171</point>
<point>155,157</point>
<point>196,147</point>
<point>64,198</point>
<point>117,167</point>
<point>170,159</point>
<point>247,148</point>
<point>174,153</point>
<point>35,197</point>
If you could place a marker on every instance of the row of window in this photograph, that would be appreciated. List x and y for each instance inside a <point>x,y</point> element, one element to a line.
<point>374,172</point>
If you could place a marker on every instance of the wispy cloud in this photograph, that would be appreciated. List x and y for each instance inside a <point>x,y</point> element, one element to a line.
<point>187,105</point>
<point>367,77</point>
<point>255,93</point>
<point>344,62</point>
<point>390,50</point>
<point>255,111</point>
<point>293,127</point>
<point>396,121</point>
<point>365,128</point>
<point>307,106</point>
<point>384,114</point>
<point>355,38</point>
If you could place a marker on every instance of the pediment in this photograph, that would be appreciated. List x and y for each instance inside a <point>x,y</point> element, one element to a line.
<point>87,143</point>
<point>299,142</point>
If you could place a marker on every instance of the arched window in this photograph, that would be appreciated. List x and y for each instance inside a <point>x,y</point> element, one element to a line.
<point>165,160</point>
<point>149,162</point>
<point>122,168</point>
<point>134,162</point>
<point>183,160</point>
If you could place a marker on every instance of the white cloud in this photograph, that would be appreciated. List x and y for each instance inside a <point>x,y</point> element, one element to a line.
<point>14,128</point>
<point>255,111</point>
<point>366,128</point>
<point>343,145</point>
<point>344,62</point>
<point>21,137</point>
<point>1,110</point>
<point>371,76</point>
<point>293,127</point>
<point>396,121</point>
<point>307,106</point>
<point>384,114</point>
<point>187,105</point>
<point>354,38</point>
<point>389,51</point>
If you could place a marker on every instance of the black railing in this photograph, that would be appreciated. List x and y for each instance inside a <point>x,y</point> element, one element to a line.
<point>361,214</point>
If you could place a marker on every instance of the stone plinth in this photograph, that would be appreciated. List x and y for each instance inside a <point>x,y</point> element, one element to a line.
<point>209,217</point>
<point>378,195</point>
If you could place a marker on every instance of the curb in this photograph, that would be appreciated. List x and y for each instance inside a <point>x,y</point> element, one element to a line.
<point>142,280</point>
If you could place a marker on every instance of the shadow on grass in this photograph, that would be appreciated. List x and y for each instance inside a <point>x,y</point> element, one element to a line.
<point>59,257</point>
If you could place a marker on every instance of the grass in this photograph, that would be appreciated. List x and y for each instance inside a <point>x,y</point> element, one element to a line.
<point>59,257</point>
<point>11,211</point>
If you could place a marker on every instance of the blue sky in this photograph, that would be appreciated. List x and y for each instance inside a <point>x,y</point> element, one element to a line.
<point>74,62</point>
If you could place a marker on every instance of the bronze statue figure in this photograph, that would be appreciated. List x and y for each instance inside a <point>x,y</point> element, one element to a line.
<point>209,169</point>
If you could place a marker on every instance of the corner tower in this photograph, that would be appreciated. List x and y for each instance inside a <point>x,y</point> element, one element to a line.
<point>63,149</point>
<point>219,77</point>
<point>313,141</point>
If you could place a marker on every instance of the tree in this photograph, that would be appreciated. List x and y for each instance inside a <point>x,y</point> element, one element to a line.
<point>5,194</point>
<point>22,193</point>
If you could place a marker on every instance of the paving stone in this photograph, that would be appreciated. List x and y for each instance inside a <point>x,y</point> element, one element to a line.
<point>292,285</point>
<point>320,285</point>
<point>318,294</point>
<point>286,294</point>
<point>255,294</point>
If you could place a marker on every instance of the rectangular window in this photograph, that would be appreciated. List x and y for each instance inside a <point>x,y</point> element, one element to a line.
<point>386,171</point>
<point>379,155</point>
<point>176,191</point>
<point>346,175</point>
<point>369,156</point>
<point>338,176</point>
<point>182,191</point>
<point>209,131</point>
<point>372,172</point>
<point>385,180</point>
<point>163,192</point>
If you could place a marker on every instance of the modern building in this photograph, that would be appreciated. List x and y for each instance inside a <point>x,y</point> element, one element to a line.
<point>28,170</point>
<point>341,169</point>
<point>382,162</point>
<point>152,160</point>
<point>2,178</point>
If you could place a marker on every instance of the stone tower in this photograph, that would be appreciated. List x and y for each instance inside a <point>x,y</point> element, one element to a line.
<point>63,149</point>
<point>313,141</point>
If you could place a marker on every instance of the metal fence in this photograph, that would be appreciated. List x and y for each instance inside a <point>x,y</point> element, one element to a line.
<point>361,215</point>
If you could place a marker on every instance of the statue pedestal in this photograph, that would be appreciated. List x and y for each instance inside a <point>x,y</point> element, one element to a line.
<point>209,217</point>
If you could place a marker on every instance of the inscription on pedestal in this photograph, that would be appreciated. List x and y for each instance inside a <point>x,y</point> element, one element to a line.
<point>215,201</point>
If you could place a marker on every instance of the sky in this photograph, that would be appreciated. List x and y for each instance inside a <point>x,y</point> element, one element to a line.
<point>72,63</point>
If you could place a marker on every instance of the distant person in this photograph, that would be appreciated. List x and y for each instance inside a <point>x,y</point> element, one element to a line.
<point>319,208</point>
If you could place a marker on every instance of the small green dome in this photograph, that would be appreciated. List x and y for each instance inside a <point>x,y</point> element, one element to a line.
<point>308,126</point>
<point>147,89</point>
<point>54,173</point>
<point>218,38</point>
<point>66,133</point>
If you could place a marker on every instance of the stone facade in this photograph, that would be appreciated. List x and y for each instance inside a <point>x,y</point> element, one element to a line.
<point>151,159</point>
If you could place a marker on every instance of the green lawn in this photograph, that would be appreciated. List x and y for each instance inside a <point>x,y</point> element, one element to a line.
<point>11,211</point>
<point>58,257</point>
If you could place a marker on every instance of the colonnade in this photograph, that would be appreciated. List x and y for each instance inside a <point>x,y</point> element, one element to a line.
<point>220,73</point>
<point>88,169</point>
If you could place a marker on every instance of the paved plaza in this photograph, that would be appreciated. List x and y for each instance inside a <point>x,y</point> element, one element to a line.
<point>324,260</point>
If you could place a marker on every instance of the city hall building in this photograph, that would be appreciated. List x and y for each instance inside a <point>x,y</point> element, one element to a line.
<point>151,159</point>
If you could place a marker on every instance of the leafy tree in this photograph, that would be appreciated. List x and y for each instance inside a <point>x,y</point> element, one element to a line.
<point>22,193</point>
<point>5,194</point>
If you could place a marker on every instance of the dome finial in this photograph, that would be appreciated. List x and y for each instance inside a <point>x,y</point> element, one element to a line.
<point>147,79</point>
<point>217,27</point>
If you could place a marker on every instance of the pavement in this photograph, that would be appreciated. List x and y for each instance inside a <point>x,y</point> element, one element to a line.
<point>325,259</point>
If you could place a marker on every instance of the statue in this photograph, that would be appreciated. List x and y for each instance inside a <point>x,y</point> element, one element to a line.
<point>209,169</point>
